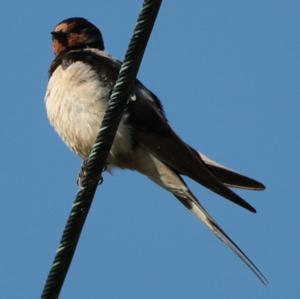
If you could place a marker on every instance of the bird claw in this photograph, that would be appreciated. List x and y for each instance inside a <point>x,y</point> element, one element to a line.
<point>82,175</point>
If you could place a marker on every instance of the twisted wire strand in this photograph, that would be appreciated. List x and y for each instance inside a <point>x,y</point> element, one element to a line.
<point>99,153</point>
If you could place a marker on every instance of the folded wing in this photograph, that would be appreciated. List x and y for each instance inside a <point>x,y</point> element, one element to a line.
<point>151,130</point>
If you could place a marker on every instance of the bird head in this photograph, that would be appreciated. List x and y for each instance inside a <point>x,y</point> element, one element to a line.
<point>76,33</point>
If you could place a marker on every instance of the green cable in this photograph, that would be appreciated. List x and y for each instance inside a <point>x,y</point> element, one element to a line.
<point>99,153</point>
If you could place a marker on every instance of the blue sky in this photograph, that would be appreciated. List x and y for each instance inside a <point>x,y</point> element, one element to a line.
<point>228,75</point>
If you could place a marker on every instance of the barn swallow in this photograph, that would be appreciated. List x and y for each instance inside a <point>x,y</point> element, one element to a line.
<point>81,78</point>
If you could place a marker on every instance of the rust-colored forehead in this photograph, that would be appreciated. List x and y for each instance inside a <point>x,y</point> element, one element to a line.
<point>64,27</point>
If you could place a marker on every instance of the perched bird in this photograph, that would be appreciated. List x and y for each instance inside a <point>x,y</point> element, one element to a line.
<point>81,78</point>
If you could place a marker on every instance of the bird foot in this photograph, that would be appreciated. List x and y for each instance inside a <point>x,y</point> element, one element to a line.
<point>82,175</point>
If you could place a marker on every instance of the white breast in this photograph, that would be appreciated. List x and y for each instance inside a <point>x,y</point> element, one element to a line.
<point>76,102</point>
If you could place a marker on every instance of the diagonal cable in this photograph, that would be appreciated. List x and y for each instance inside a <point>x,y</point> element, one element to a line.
<point>99,153</point>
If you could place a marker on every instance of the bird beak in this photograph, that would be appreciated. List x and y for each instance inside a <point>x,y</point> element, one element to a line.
<point>58,34</point>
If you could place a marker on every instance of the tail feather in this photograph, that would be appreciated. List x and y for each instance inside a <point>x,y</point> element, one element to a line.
<point>170,180</point>
<point>196,208</point>
<point>230,177</point>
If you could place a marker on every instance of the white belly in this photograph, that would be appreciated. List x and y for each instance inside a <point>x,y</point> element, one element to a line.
<point>76,101</point>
